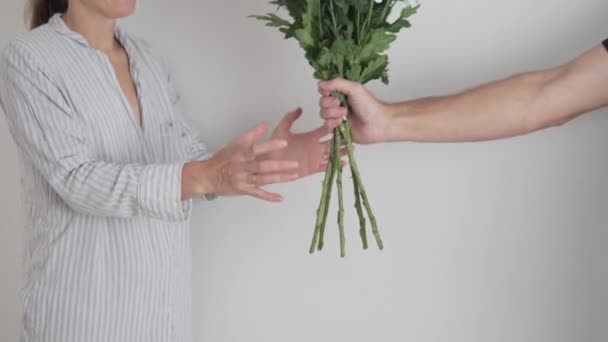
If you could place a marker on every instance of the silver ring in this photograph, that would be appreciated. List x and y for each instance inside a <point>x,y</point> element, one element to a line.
<point>252,178</point>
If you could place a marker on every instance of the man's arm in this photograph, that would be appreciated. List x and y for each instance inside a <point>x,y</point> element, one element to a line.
<point>514,106</point>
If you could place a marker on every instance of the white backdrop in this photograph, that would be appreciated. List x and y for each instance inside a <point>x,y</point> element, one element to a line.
<point>501,241</point>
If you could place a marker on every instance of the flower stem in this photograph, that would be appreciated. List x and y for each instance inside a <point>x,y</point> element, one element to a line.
<point>333,19</point>
<point>387,5</point>
<point>357,178</point>
<point>342,136</point>
<point>323,206</point>
<point>332,173</point>
<point>367,27</point>
<point>338,164</point>
<point>362,228</point>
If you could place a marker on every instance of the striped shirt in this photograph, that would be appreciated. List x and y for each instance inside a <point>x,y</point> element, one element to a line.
<point>107,234</point>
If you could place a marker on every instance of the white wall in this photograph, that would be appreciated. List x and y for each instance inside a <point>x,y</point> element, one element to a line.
<point>11,218</point>
<point>499,241</point>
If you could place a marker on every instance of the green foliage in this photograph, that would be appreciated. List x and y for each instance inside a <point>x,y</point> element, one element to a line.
<point>349,39</point>
<point>342,38</point>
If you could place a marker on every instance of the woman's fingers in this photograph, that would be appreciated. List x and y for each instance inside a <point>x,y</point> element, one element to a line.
<point>285,125</point>
<point>343,152</point>
<point>323,166</point>
<point>264,195</point>
<point>327,147</point>
<point>275,178</point>
<point>252,135</point>
<point>322,132</point>
<point>272,166</point>
<point>269,146</point>
<point>257,132</point>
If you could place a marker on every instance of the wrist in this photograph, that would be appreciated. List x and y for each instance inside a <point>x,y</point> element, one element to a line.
<point>198,179</point>
<point>397,122</point>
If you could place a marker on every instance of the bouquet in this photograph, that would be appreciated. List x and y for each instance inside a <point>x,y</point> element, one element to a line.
<point>348,39</point>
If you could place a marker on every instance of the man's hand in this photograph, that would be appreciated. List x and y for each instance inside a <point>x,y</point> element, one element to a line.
<point>369,117</point>
<point>513,106</point>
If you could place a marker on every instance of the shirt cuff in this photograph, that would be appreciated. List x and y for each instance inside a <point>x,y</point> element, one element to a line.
<point>159,193</point>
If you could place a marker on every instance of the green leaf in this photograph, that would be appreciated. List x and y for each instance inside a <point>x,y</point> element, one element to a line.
<point>402,22</point>
<point>294,7</point>
<point>342,5</point>
<point>338,61</point>
<point>305,38</point>
<point>384,77</point>
<point>343,47</point>
<point>361,6</point>
<point>348,38</point>
<point>307,34</point>
<point>326,58</point>
<point>375,69</point>
<point>378,42</point>
<point>398,26</point>
<point>272,20</point>
<point>354,74</point>
<point>409,11</point>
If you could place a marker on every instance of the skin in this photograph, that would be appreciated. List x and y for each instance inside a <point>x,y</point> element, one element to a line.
<point>505,108</point>
<point>243,165</point>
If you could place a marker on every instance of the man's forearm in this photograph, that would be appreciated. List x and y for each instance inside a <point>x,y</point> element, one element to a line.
<point>517,105</point>
<point>496,110</point>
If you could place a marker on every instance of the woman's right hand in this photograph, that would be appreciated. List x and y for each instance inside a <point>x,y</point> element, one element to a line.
<point>239,170</point>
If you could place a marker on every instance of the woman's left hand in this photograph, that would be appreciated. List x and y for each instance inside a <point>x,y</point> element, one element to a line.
<point>305,148</point>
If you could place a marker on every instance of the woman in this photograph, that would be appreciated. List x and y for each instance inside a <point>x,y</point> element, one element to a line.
<point>109,171</point>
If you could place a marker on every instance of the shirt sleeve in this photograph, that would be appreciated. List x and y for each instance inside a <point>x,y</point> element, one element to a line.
<point>605,43</point>
<point>51,135</point>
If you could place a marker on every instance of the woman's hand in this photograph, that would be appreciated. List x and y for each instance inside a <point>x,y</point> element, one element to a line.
<point>242,167</point>
<point>305,148</point>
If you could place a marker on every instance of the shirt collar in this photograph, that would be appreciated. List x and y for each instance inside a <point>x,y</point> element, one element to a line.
<point>57,23</point>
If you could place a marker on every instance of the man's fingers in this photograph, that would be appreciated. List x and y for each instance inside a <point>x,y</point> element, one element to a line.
<point>329,102</point>
<point>337,84</point>
<point>331,124</point>
<point>334,113</point>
